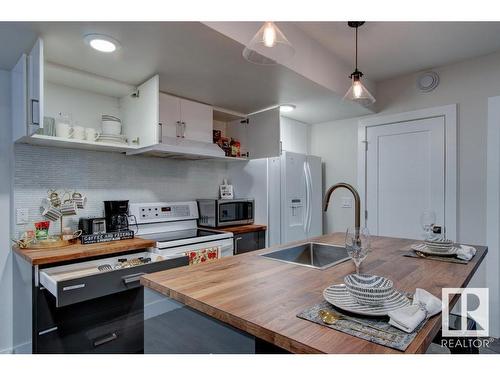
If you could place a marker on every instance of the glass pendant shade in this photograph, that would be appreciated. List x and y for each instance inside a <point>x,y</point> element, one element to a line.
<point>359,93</point>
<point>269,46</point>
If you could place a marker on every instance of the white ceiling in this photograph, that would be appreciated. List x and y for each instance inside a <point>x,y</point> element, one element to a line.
<point>197,62</point>
<point>388,49</point>
<point>193,61</point>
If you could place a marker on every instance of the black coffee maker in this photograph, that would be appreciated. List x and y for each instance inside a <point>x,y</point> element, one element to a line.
<point>116,214</point>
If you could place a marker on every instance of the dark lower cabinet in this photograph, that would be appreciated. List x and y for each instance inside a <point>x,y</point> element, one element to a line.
<point>111,324</point>
<point>250,241</point>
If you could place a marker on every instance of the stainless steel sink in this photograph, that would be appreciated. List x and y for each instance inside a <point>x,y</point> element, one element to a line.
<point>311,254</point>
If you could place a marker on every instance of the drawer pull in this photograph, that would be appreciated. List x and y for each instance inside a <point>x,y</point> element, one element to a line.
<point>105,339</point>
<point>132,278</point>
<point>71,287</point>
<point>41,333</point>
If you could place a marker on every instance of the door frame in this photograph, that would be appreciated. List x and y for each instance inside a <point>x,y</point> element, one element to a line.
<point>449,112</point>
<point>493,210</point>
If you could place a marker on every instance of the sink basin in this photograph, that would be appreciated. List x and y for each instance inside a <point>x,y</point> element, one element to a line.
<point>311,254</point>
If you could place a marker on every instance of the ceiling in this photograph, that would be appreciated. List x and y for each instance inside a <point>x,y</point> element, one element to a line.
<point>388,49</point>
<point>193,61</point>
<point>197,62</point>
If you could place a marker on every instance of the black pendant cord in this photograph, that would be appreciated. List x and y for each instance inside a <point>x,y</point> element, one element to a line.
<point>356,58</point>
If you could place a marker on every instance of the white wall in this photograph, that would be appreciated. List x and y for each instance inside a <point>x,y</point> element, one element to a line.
<point>5,217</point>
<point>468,83</point>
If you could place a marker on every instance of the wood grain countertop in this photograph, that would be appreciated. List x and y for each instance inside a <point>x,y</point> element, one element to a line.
<point>79,251</point>
<point>239,229</point>
<point>262,296</point>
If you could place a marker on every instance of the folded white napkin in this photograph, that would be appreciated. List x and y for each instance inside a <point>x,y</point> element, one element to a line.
<point>408,318</point>
<point>466,252</point>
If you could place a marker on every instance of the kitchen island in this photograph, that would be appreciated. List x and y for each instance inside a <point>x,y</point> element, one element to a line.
<point>262,297</point>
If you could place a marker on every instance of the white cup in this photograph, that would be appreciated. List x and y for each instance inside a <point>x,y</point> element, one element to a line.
<point>78,132</point>
<point>111,127</point>
<point>91,134</point>
<point>63,130</point>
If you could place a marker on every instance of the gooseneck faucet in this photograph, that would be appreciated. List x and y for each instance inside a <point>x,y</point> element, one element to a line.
<point>357,201</point>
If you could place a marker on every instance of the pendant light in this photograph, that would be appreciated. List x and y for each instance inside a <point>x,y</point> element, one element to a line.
<point>358,92</point>
<point>269,46</point>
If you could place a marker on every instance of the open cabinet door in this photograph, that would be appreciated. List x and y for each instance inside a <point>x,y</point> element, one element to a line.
<point>263,134</point>
<point>35,88</point>
<point>19,106</point>
<point>140,112</point>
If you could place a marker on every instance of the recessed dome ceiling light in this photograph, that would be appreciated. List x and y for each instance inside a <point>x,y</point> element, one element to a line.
<point>287,108</point>
<point>102,43</point>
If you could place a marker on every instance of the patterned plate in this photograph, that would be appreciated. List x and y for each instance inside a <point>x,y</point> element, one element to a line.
<point>426,250</point>
<point>339,297</point>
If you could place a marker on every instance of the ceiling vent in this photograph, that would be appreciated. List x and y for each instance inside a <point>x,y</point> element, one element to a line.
<point>428,81</point>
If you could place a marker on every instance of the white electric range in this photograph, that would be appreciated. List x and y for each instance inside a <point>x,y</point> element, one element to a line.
<point>173,225</point>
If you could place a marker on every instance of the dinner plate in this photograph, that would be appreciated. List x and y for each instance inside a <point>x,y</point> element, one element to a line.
<point>339,297</point>
<point>423,248</point>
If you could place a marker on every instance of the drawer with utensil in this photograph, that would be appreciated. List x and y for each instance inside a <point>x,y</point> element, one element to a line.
<point>77,282</point>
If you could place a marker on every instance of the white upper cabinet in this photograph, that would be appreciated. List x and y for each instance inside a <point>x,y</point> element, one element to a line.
<point>140,116</point>
<point>27,78</point>
<point>181,118</point>
<point>170,116</point>
<point>259,134</point>
<point>196,121</point>
<point>294,136</point>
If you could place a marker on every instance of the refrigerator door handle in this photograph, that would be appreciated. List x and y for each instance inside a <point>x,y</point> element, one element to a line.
<point>306,219</point>
<point>309,195</point>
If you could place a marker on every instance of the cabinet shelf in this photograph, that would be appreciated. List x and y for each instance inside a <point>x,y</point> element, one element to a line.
<point>46,140</point>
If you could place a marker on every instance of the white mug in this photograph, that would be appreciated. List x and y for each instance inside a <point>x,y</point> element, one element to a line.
<point>79,132</point>
<point>63,130</point>
<point>91,134</point>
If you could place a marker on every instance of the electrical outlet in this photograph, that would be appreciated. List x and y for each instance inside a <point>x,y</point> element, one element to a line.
<point>22,216</point>
<point>346,202</point>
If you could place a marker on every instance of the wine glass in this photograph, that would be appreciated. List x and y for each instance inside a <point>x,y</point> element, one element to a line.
<point>357,244</point>
<point>427,220</point>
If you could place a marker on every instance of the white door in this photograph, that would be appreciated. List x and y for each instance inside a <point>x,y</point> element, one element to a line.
<point>197,120</point>
<point>293,197</point>
<point>405,175</point>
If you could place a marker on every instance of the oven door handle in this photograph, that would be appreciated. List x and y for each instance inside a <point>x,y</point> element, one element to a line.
<point>129,279</point>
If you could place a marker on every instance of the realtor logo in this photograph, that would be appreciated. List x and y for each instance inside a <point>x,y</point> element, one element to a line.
<point>474,304</point>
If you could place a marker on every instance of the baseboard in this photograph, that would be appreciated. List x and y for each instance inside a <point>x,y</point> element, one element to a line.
<point>24,348</point>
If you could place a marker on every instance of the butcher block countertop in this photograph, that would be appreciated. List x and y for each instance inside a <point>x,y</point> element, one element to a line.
<point>240,229</point>
<point>78,251</point>
<point>262,296</point>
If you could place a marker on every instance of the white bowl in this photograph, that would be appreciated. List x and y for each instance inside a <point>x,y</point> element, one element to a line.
<point>369,289</point>
<point>111,127</point>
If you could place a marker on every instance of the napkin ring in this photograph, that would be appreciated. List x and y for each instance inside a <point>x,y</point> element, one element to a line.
<point>423,307</point>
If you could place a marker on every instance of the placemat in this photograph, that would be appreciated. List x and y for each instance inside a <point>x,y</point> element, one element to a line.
<point>412,254</point>
<point>375,330</point>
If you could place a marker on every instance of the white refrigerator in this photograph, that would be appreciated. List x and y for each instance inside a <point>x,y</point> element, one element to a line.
<point>287,192</point>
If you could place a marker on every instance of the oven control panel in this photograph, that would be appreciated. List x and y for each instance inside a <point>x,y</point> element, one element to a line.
<point>162,211</point>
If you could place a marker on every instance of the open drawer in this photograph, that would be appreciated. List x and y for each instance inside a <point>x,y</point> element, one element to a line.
<point>83,281</point>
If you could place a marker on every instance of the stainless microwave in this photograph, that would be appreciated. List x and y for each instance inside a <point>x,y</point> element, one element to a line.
<point>217,213</point>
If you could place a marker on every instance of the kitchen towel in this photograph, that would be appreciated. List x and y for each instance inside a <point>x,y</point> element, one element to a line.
<point>466,252</point>
<point>410,317</point>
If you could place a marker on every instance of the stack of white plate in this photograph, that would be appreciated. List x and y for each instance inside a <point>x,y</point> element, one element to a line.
<point>111,130</point>
<point>439,245</point>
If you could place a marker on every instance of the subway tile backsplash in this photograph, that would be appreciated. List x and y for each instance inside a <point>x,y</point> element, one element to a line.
<point>107,176</point>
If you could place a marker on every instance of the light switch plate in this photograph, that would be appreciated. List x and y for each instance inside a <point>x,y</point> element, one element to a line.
<point>346,202</point>
<point>22,216</point>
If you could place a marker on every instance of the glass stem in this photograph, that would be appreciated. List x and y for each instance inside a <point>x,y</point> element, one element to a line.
<point>357,268</point>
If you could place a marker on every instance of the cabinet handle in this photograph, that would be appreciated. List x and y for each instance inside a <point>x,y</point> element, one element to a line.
<point>132,278</point>
<point>178,129</point>
<point>113,336</point>
<point>33,122</point>
<point>236,244</point>
<point>41,333</point>
<point>183,129</point>
<point>160,135</point>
